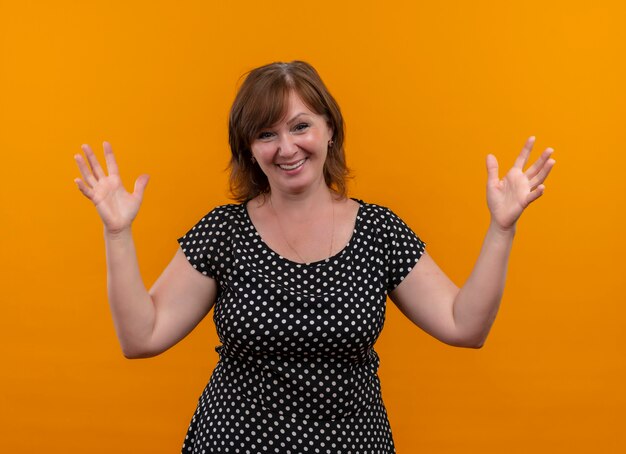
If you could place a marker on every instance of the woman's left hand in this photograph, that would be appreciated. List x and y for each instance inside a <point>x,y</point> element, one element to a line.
<point>509,197</point>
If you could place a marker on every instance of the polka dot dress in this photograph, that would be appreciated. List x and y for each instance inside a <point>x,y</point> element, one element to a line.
<point>297,372</point>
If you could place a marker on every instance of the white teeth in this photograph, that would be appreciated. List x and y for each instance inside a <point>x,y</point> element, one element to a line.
<point>291,167</point>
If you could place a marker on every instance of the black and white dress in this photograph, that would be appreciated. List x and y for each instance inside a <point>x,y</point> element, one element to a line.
<point>297,371</point>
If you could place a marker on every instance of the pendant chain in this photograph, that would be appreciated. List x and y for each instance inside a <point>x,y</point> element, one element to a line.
<point>332,235</point>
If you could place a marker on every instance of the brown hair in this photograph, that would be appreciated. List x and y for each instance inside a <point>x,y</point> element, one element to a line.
<point>260,103</point>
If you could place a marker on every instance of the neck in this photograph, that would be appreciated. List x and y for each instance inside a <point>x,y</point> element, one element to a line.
<point>304,205</point>
<point>303,211</point>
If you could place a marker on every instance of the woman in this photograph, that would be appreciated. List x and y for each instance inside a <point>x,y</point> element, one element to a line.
<point>299,275</point>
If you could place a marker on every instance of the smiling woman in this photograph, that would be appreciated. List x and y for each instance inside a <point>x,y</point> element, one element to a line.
<point>292,153</point>
<point>298,275</point>
<point>276,92</point>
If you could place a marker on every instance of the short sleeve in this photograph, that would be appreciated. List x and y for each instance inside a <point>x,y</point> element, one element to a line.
<point>204,244</point>
<point>404,249</point>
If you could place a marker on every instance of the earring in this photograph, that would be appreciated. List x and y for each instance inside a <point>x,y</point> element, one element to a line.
<point>331,143</point>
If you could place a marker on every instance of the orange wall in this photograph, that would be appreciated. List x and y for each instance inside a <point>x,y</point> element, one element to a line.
<point>427,89</point>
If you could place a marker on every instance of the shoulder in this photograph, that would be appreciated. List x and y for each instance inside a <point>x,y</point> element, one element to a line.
<point>388,224</point>
<point>223,213</point>
<point>227,211</point>
<point>376,214</point>
<point>217,221</point>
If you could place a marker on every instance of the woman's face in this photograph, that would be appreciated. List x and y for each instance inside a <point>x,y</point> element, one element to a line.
<point>292,152</point>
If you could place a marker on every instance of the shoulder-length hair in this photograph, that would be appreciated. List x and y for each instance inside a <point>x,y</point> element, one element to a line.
<point>260,103</point>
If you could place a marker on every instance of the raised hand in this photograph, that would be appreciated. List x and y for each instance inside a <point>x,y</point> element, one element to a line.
<point>117,208</point>
<point>509,197</point>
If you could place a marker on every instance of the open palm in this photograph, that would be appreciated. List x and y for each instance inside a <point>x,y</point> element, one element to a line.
<point>507,198</point>
<point>117,207</point>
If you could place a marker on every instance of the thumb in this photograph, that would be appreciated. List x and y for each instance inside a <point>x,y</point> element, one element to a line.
<point>492,169</point>
<point>140,185</point>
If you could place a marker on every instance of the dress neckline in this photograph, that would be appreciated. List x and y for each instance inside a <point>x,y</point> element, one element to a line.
<point>333,257</point>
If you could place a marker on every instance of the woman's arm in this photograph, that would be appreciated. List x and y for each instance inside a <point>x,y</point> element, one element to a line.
<point>463,317</point>
<point>147,323</point>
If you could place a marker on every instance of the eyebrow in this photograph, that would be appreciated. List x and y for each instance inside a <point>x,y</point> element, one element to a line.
<point>296,116</point>
<point>293,119</point>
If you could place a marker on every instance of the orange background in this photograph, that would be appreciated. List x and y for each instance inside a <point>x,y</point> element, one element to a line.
<point>427,90</point>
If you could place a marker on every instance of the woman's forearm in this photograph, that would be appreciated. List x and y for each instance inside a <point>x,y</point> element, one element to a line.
<point>477,302</point>
<point>131,306</point>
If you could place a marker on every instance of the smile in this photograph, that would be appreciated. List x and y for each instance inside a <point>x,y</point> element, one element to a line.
<point>292,166</point>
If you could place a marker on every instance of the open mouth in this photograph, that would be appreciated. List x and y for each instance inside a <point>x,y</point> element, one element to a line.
<point>292,166</point>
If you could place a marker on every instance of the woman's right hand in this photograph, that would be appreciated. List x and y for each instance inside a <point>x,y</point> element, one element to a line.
<point>116,207</point>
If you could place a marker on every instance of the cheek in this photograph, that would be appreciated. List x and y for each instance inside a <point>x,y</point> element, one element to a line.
<point>261,150</point>
<point>315,141</point>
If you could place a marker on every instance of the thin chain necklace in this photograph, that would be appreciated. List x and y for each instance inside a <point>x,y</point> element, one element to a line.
<point>332,234</point>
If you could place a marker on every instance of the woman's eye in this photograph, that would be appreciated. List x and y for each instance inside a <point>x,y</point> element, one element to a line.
<point>265,135</point>
<point>301,126</point>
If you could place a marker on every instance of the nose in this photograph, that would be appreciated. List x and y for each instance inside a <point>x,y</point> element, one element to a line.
<point>287,146</point>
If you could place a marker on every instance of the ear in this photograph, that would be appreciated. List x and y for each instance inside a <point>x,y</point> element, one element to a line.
<point>331,130</point>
